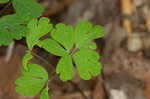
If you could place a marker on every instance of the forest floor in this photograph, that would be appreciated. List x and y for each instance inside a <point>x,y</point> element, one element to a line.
<point>125,59</point>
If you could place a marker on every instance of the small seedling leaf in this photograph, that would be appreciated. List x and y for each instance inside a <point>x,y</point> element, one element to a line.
<point>32,81</point>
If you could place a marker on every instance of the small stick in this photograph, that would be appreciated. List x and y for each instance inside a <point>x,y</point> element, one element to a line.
<point>9,51</point>
<point>127,10</point>
<point>148,21</point>
<point>45,61</point>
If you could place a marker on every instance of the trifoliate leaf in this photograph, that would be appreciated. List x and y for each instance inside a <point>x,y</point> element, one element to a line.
<point>27,9</point>
<point>26,58</point>
<point>37,29</point>
<point>4,1</point>
<point>11,28</point>
<point>64,34</point>
<point>44,94</point>
<point>52,46</point>
<point>32,81</point>
<point>87,63</point>
<point>84,32</point>
<point>65,68</point>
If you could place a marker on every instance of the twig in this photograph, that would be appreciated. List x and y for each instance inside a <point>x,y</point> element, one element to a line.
<point>9,51</point>
<point>127,9</point>
<point>42,59</point>
<point>148,21</point>
<point>76,86</point>
<point>73,51</point>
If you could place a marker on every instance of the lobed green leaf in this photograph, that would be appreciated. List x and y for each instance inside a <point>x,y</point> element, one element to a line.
<point>84,33</point>
<point>37,29</point>
<point>11,28</point>
<point>26,58</point>
<point>64,34</point>
<point>27,9</point>
<point>82,28</point>
<point>96,32</point>
<point>52,46</point>
<point>29,86</point>
<point>87,63</point>
<point>36,70</point>
<point>32,81</point>
<point>65,68</point>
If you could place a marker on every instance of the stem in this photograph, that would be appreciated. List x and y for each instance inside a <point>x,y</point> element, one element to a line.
<point>73,51</point>
<point>45,61</point>
<point>76,86</point>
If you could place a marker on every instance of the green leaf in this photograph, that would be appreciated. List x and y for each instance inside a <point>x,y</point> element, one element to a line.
<point>29,86</point>
<point>36,71</point>
<point>37,29</point>
<point>64,34</point>
<point>32,81</point>
<point>65,68</point>
<point>27,9</point>
<point>87,63</point>
<point>84,33</point>
<point>96,32</point>
<point>44,94</point>
<point>89,44</point>
<point>4,1</point>
<point>92,45</point>
<point>11,28</point>
<point>52,46</point>
<point>81,30</point>
<point>26,58</point>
